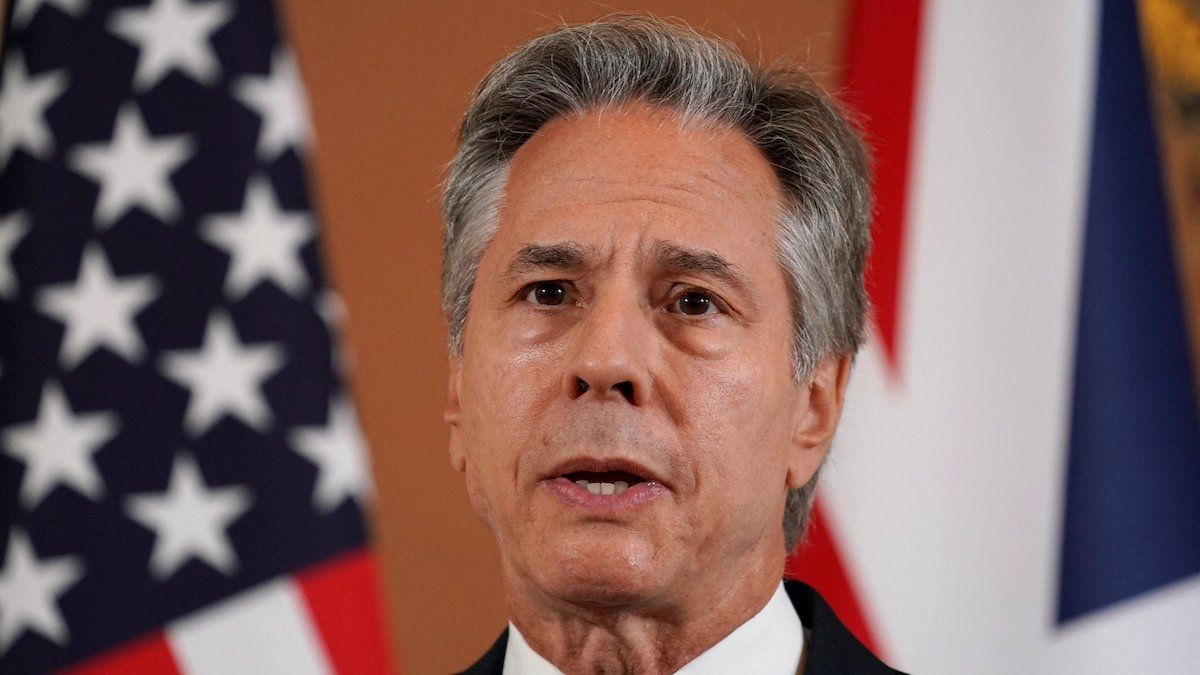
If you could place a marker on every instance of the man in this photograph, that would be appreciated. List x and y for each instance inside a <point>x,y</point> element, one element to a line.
<point>653,282</point>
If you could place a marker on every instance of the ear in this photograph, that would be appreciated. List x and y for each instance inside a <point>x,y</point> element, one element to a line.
<point>452,415</point>
<point>814,430</point>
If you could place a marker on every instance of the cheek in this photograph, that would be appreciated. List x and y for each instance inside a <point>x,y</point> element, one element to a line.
<point>737,414</point>
<point>477,494</point>
<point>515,387</point>
<point>736,402</point>
<point>504,394</point>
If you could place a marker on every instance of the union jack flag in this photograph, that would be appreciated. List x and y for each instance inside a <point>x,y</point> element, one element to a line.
<point>1016,482</point>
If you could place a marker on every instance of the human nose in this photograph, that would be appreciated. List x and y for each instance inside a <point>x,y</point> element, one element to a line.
<point>611,353</point>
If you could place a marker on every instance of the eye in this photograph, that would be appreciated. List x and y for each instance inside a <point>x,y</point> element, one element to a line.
<point>546,293</point>
<point>695,303</point>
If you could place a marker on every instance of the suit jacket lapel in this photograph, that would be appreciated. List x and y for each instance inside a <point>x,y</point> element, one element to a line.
<point>830,649</point>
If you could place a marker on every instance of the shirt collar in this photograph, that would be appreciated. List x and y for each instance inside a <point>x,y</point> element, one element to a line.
<point>770,642</point>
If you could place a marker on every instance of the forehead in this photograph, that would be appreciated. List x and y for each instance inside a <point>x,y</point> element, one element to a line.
<point>628,176</point>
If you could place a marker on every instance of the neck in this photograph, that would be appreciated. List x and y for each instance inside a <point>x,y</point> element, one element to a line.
<point>651,637</point>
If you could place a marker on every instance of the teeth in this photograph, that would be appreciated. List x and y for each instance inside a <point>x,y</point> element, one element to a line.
<point>603,488</point>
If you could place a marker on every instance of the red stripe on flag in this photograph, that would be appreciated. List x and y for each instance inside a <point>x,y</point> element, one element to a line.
<point>819,565</point>
<point>881,72</point>
<point>344,598</point>
<point>150,655</point>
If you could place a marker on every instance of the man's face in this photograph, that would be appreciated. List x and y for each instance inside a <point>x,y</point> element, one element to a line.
<point>630,332</point>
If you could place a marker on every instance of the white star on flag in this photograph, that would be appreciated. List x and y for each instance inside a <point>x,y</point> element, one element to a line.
<point>13,229</point>
<point>98,310</point>
<point>340,454</point>
<point>263,241</point>
<point>133,169</point>
<point>29,591</point>
<point>25,10</point>
<point>280,102</point>
<point>57,448</point>
<point>332,311</point>
<point>190,520</point>
<point>23,104</point>
<point>224,376</point>
<point>172,34</point>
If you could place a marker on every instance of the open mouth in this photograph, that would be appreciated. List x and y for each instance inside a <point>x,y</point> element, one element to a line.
<point>605,486</point>
<point>604,482</point>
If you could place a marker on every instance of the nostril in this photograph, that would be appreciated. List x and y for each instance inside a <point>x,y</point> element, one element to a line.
<point>626,389</point>
<point>580,386</point>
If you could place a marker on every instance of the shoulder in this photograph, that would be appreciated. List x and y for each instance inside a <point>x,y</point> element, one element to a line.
<point>491,663</point>
<point>832,648</point>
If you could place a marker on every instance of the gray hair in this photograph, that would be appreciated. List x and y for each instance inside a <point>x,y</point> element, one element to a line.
<point>817,156</point>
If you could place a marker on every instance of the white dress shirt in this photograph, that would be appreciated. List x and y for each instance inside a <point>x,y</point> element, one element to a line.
<point>769,643</point>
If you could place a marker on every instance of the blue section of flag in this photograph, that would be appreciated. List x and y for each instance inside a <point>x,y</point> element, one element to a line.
<point>1132,517</point>
<point>88,560</point>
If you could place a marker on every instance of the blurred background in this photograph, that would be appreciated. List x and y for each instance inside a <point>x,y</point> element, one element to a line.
<point>1016,482</point>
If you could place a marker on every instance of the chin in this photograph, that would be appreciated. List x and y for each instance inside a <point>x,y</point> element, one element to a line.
<point>605,570</point>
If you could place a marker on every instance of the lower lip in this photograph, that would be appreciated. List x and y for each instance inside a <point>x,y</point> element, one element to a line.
<point>576,495</point>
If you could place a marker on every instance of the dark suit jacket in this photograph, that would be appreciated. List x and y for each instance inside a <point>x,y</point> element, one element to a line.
<point>830,648</point>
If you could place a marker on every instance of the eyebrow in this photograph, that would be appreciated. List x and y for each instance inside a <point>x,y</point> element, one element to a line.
<point>568,256</point>
<point>701,262</point>
<point>562,256</point>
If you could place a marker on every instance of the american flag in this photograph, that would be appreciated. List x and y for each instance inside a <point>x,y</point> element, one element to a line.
<point>182,479</point>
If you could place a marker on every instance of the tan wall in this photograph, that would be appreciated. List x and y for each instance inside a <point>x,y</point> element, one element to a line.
<point>388,81</point>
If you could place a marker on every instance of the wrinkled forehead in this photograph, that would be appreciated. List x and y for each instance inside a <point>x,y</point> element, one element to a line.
<point>640,178</point>
<point>634,144</point>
